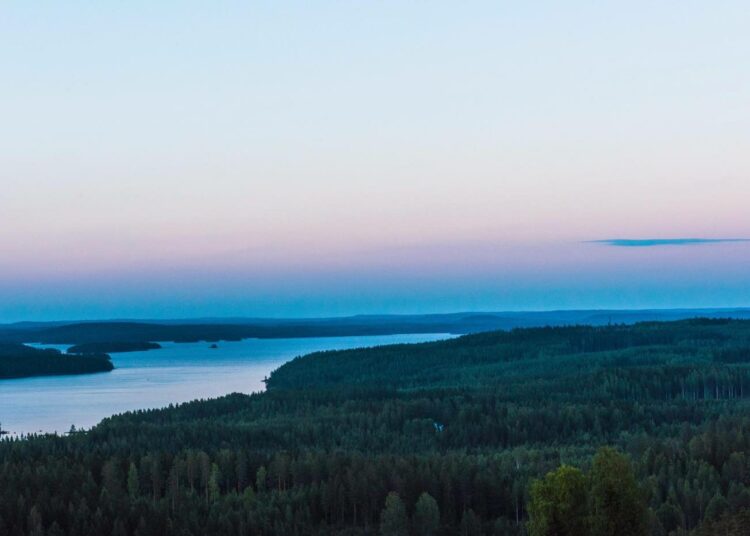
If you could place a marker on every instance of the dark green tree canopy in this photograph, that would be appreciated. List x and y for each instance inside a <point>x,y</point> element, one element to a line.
<point>451,433</point>
<point>393,520</point>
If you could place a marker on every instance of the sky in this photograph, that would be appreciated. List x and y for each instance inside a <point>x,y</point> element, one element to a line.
<point>180,159</point>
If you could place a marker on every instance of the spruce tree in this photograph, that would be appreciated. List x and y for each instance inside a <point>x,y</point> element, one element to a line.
<point>393,520</point>
<point>426,516</point>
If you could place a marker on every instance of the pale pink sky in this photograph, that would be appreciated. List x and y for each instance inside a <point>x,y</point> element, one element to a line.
<point>259,150</point>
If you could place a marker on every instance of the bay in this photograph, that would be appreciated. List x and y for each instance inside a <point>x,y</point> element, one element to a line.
<point>179,372</point>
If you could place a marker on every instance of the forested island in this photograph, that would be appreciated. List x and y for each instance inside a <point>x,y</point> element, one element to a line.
<point>112,347</point>
<point>613,430</point>
<point>19,361</point>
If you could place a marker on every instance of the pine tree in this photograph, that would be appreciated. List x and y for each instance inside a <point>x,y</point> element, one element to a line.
<point>426,516</point>
<point>617,506</point>
<point>261,478</point>
<point>470,524</point>
<point>716,507</point>
<point>393,520</point>
<point>213,484</point>
<point>134,484</point>
<point>558,504</point>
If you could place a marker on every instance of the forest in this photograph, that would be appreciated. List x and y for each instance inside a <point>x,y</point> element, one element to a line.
<point>19,360</point>
<point>610,430</point>
<point>84,333</point>
<point>112,347</point>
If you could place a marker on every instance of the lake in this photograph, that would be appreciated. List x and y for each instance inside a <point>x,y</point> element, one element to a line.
<point>179,372</point>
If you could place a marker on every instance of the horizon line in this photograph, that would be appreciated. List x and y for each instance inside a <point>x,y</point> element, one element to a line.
<point>215,319</point>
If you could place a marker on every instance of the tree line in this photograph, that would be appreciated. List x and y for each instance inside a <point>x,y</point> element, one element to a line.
<point>19,361</point>
<point>575,430</point>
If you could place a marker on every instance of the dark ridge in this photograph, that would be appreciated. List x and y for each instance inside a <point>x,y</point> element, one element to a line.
<point>112,347</point>
<point>19,361</point>
<point>210,330</point>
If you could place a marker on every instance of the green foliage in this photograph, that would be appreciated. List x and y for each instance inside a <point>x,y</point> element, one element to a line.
<point>426,516</point>
<point>134,484</point>
<point>617,507</point>
<point>731,524</point>
<point>261,479</point>
<point>559,504</point>
<point>393,521</point>
<point>469,422</point>
<point>18,360</point>
<point>214,491</point>
<point>606,503</point>
<point>470,524</point>
<point>716,508</point>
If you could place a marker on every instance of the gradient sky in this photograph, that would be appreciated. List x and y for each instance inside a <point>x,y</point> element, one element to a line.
<point>175,159</point>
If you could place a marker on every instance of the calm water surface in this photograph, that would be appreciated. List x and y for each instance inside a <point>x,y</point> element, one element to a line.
<point>179,372</point>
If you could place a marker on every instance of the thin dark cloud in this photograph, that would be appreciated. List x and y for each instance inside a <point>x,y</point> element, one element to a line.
<point>651,242</point>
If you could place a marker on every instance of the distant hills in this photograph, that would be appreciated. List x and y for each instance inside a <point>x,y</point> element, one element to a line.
<point>217,329</point>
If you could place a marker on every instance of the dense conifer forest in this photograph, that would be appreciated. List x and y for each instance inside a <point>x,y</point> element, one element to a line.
<point>18,361</point>
<point>612,430</point>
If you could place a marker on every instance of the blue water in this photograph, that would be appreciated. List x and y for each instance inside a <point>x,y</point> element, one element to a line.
<point>179,372</point>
